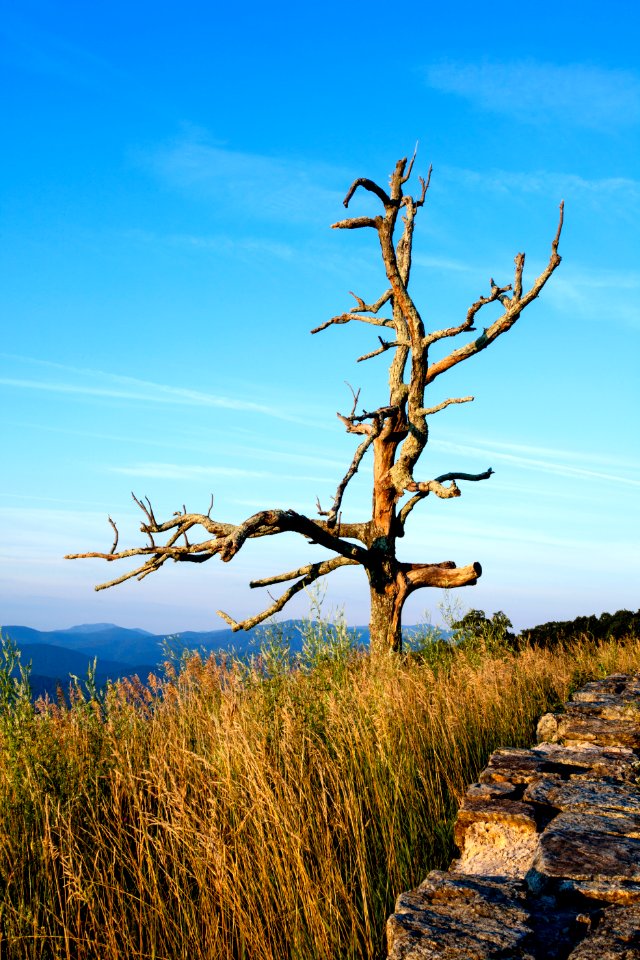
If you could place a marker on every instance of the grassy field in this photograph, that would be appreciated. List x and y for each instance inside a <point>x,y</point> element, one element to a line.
<point>263,811</point>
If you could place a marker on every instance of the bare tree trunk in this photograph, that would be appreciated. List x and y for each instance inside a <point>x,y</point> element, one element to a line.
<point>385,624</point>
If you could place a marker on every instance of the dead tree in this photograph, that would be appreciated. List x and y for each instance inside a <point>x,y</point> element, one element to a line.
<point>395,433</point>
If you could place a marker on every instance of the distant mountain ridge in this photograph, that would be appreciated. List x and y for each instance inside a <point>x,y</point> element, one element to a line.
<point>131,645</point>
<point>56,655</point>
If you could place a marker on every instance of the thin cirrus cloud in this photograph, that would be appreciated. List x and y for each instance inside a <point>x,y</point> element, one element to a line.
<point>598,296</point>
<point>535,92</point>
<point>614,193</point>
<point>542,464</point>
<point>179,471</point>
<point>118,387</point>
<point>268,187</point>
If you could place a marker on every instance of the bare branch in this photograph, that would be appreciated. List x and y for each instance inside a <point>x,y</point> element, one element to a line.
<point>372,307</point>
<point>356,396</point>
<point>517,281</point>
<point>354,427</point>
<point>332,514</point>
<point>407,175</point>
<point>312,572</point>
<point>347,317</point>
<point>227,539</point>
<point>435,486</point>
<point>371,187</point>
<point>115,530</point>
<point>445,477</point>
<point>425,186</point>
<point>354,222</point>
<point>514,308</point>
<point>497,293</point>
<point>300,572</point>
<point>349,421</point>
<point>384,346</point>
<point>378,414</point>
<point>427,411</point>
<point>355,424</point>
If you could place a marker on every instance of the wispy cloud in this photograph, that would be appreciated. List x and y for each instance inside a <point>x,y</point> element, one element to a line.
<point>117,387</point>
<point>184,471</point>
<point>598,295</point>
<point>219,243</point>
<point>522,533</point>
<point>555,462</point>
<point>555,453</point>
<point>266,187</point>
<point>535,92</point>
<point>443,264</point>
<point>604,193</point>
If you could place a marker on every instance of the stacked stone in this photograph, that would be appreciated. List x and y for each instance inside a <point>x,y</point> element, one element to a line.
<point>549,841</point>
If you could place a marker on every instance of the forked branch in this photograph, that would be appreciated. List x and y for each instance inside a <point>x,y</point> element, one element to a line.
<point>226,540</point>
<point>514,306</point>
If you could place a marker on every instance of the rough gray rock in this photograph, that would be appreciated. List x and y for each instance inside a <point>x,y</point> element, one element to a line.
<point>549,840</point>
<point>458,917</point>
<point>617,937</point>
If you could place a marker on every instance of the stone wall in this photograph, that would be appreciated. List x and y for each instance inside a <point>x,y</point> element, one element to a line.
<point>549,841</point>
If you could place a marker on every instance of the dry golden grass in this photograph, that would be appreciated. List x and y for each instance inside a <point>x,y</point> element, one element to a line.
<point>261,813</point>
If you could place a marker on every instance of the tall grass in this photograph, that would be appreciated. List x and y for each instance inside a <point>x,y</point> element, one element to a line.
<point>262,811</point>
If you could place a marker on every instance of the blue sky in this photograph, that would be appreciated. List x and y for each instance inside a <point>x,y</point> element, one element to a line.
<point>169,175</point>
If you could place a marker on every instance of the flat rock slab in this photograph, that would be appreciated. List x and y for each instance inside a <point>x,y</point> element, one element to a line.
<point>617,937</point>
<point>582,727</point>
<point>601,890</point>
<point>606,712</point>
<point>591,761</point>
<point>515,767</point>
<point>585,796</point>
<point>456,917</point>
<point>587,847</point>
<point>618,685</point>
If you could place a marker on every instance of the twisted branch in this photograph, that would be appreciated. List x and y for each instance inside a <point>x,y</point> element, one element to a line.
<point>436,486</point>
<point>226,541</point>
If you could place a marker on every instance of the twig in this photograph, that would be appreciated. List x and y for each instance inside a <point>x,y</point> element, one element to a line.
<point>115,530</point>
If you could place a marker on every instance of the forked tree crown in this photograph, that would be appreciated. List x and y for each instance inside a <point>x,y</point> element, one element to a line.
<point>396,433</point>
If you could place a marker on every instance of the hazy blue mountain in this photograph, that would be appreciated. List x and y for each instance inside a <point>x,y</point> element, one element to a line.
<point>97,627</point>
<point>121,651</point>
<point>105,641</point>
<point>58,662</point>
<point>133,646</point>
